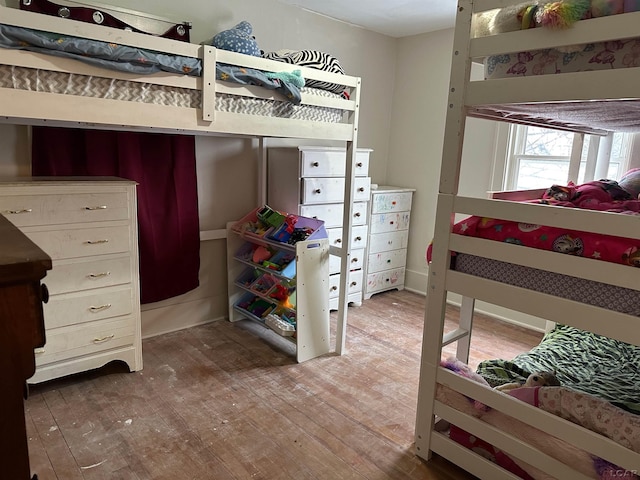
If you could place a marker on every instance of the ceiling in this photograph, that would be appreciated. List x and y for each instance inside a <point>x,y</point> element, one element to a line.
<point>395,18</point>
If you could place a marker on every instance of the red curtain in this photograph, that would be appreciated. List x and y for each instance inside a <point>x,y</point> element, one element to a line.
<point>165,168</point>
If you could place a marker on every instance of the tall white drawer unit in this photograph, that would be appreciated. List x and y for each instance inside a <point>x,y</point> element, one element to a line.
<point>388,238</point>
<point>311,182</point>
<point>88,226</point>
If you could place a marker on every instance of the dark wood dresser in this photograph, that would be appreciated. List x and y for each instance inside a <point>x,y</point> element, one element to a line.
<point>22,266</point>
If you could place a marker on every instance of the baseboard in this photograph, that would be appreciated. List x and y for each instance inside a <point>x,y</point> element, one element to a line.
<point>171,318</point>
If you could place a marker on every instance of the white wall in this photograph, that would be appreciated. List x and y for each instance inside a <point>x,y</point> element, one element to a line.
<point>416,141</point>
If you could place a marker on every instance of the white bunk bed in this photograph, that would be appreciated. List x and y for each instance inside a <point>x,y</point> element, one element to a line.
<point>205,105</point>
<point>542,443</point>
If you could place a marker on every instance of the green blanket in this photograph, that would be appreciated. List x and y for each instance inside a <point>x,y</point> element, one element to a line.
<point>584,361</point>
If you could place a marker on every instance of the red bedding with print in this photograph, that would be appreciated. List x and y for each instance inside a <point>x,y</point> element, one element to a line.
<point>602,195</point>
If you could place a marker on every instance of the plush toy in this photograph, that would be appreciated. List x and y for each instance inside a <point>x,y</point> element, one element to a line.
<point>503,20</point>
<point>536,379</point>
<point>562,14</point>
<point>238,39</point>
<point>558,14</point>
<point>294,77</point>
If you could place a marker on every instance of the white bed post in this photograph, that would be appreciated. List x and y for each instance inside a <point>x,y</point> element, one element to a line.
<point>345,260</point>
<point>465,323</point>
<point>449,175</point>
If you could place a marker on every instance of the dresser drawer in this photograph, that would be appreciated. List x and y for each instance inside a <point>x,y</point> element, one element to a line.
<point>385,280</point>
<point>331,213</point>
<point>391,202</point>
<point>378,262</point>
<point>358,237</point>
<point>78,340</point>
<point>82,242</point>
<point>389,222</point>
<point>353,286</point>
<point>356,261</point>
<point>88,306</point>
<point>331,190</point>
<point>331,163</point>
<point>33,210</point>
<point>84,275</point>
<point>383,242</point>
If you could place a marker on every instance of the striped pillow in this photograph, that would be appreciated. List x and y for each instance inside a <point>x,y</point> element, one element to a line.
<point>313,59</point>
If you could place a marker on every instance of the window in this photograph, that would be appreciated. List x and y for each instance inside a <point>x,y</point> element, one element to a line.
<point>539,157</point>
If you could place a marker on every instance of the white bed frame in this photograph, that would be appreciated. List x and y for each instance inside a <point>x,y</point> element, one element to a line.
<point>41,108</point>
<point>464,97</point>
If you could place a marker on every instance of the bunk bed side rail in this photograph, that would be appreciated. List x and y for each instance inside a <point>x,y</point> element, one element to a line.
<point>47,23</point>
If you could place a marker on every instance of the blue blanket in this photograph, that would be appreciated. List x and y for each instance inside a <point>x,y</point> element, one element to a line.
<point>134,60</point>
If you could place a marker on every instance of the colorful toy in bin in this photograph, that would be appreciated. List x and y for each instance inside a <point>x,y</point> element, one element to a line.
<point>285,230</point>
<point>270,216</point>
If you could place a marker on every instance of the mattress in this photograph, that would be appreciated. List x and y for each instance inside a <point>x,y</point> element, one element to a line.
<point>593,56</point>
<point>618,299</point>
<point>31,79</point>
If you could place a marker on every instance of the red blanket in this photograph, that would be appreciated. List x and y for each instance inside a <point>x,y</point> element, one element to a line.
<point>599,195</point>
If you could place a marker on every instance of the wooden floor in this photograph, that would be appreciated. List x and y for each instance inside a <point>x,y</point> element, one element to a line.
<point>220,402</point>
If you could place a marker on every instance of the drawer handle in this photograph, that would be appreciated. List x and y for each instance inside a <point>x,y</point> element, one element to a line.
<point>359,164</point>
<point>315,164</point>
<point>338,240</point>
<point>390,242</point>
<point>317,190</point>
<point>357,214</point>
<point>389,261</point>
<point>391,222</point>
<point>353,284</point>
<point>361,189</point>
<point>38,351</point>
<point>96,242</point>
<point>100,308</point>
<point>99,275</point>
<point>358,239</point>
<point>104,339</point>
<point>17,212</point>
<point>97,207</point>
<point>354,260</point>
<point>333,289</point>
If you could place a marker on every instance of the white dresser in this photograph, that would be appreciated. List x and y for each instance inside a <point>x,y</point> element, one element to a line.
<point>310,181</point>
<point>88,226</point>
<point>390,209</point>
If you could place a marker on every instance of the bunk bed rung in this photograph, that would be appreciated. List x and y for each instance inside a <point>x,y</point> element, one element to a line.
<point>48,23</point>
<point>594,30</point>
<point>35,60</point>
<point>454,336</point>
<point>569,218</point>
<point>556,88</point>
<point>617,325</point>
<point>467,459</point>
<point>599,271</point>
<point>508,443</point>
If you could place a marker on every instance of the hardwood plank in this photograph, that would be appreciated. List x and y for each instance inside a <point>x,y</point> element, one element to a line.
<point>223,401</point>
